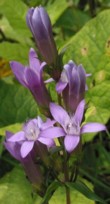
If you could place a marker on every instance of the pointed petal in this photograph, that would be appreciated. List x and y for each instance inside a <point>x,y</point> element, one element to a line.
<point>47,141</point>
<point>49,80</point>
<point>26,148</point>
<point>19,136</point>
<point>60,86</point>
<point>59,114</point>
<point>79,112</point>
<point>29,19</point>
<point>39,121</point>
<point>71,142</point>
<point>8,135</point>
<point>92,127</point>
<point>32,78</point>
<point>52,132</point>
<point>18,70</point>
<point>34,61</point>
<point>88,75</point>
<point>48,123</point>
<point>14,149</point>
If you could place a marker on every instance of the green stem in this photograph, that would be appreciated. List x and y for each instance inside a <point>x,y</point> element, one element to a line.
<point>66,173</point>
<point>68,201</point>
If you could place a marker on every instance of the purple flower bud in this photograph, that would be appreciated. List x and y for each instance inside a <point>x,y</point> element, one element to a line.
<point>40,25</point>
<point>31,78</point>
<point>72,85</point>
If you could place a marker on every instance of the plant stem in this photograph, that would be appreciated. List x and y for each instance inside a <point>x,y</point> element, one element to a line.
<point>68,201</point>
<point>66,173</point>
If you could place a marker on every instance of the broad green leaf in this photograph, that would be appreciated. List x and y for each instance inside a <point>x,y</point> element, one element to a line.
<point>14,51</point>
<point>16,103</point>
<point>15,11</point>
<point>59,197</point>
<point>12,34</point>
<point>14,188</point>
<point>91,47</point>
<point>56,9</point>
<point>72,19</point>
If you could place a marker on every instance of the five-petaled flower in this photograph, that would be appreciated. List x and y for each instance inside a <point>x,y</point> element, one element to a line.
<point>30,134</point>
<point>71,127</point>
<point>31,78</point>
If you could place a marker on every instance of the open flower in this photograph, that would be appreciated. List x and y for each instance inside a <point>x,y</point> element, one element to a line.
<point>71,126</point>
<point>40,25</point>
<point>31,78</point>
<point>72,85</point>
<point>31,134</point>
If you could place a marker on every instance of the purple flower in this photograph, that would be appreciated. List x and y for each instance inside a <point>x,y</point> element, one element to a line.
<point>71,126</point>
<point>39,23</point>
<point>31,134</point>
<point>31,78</point>
<point>32,170</point>
<point>72,85</point>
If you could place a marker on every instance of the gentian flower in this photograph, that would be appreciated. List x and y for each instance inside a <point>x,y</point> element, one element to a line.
<point>71,126</point>
<point>40,25</point>
<point>31,78</point>
<point>32,170</point>
<point>31,134</point>
<point>72,85</point>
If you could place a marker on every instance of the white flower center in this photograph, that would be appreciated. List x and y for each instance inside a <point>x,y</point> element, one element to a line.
<point>72,128</point>
<point>32,130</point>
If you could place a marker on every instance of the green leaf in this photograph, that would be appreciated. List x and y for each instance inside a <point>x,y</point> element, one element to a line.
<point>14,188</point>
<point>59,196</point>
<point>56,9</point>
<point>14,51</point>
<point>72,19</point>
<point>15,11</point>
<point>82,188</point>
<point>53,186</point>
<point>16,105</point>
<point>95,180</point>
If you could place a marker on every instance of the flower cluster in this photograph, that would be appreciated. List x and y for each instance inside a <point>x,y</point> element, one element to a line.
<point>66,122</point>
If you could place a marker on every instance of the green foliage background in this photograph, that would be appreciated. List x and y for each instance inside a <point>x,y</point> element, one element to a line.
<point>87,42</point>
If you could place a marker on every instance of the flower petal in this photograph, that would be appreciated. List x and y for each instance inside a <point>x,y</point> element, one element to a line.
<point>14,149</point>
<point>32,78</point>
<point>47,141</point>
<point>49,80</point>
<point>92,127</point>
<point>34,61</point>
<point>26,148</point>
<point>61,86</point>
<point>52,132</point>
<point>19,136</point>
<point>49,123</point>
<point>79,112</point>
<point>8,135</point>
<point>18,70</point>
<point>28,19</point>
<point>71,142</point>
<point>59,114</point>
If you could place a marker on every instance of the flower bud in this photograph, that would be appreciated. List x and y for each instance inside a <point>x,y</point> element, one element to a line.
<point>72,85</point>
<point>40,25</point>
